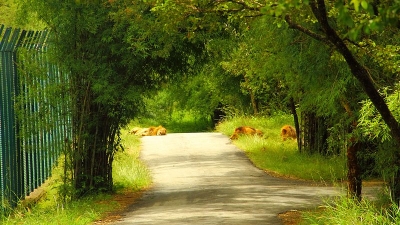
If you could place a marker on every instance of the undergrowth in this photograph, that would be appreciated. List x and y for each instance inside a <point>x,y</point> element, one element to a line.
<point>282,157</point>
<point>177,122</point>
<point>271,153</point>
<point>129,175</point>
<point>343,211</point>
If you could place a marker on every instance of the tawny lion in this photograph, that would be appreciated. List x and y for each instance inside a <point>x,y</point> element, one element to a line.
<point>151,131</point>
<point>157,131</point>
<point>288,131</point>
<point>139,131</point>
<point>245,130</point>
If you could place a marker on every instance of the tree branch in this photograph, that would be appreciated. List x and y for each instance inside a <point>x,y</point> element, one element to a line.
<point>306,31</point>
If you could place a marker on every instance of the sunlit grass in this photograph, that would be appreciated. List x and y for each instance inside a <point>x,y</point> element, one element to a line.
<point>129,175</point>
<point>51,210</point>
<point>344,211</point>
<point>282,157</point>
<point>78,212</point>
<point>128,171</point>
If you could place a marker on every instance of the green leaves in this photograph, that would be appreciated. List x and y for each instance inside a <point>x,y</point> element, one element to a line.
<point>371,122</point>
<point>358,3</point>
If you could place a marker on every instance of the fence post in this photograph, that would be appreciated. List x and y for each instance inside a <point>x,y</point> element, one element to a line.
<point>29,146</point>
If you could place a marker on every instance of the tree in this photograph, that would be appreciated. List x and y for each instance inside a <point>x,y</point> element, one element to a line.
<point>115,52</point>
<point>333,34</point>
<point>338,25</point>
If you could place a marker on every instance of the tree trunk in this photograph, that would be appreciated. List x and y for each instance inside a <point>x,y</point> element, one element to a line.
<point>354,180</point>
<point>252,97</point>
<point>314,134</point>
<point>296,123</point>
<point>93,141</point>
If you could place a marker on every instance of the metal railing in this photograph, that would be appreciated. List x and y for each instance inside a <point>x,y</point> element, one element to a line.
<point>33,116</point>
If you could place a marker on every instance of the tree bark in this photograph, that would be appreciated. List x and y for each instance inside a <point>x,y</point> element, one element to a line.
<point>296,123</point>
<point>354,180</point>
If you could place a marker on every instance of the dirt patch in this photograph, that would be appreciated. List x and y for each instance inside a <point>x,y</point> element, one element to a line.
<point>292,217</point>
<point>124,200</point>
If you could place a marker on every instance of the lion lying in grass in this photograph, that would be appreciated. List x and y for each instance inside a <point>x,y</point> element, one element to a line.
<point>288,131</point>
<point>151,131</point>
<point>245,130</point>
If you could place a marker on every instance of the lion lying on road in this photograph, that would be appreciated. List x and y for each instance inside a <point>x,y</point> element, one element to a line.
<point>245,130</point>
<point>288,131</point>
<point>157,131</point>
<point>151,131</point>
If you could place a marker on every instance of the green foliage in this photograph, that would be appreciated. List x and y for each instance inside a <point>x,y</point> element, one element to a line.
<point>283,158</point>
<point>129,175</point>
<point>128,171</point>
<point>374,129</point>
<point>343,210</point>
<point>371,122</point>
<point>14,16</point>
<point>114,53</point>
<point>213,51</point>
<point>163,109</point>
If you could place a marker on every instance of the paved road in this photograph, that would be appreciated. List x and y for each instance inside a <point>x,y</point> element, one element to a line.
<point>202,178</point>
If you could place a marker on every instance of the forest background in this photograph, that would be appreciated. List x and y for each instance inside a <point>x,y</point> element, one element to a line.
<point>333,64</point>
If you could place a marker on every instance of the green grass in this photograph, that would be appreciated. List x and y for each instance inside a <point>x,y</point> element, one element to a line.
<point>269,153</point>
<point>129,175</point>
<point>344,211</point>
<point>282,157</point>
<point>129,172</point>
<point>272,154</point>
<point>52,212</point>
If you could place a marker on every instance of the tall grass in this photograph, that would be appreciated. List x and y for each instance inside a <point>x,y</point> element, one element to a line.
<point>282,157</point>
<point>344,211</point>
<point>129,175</point>
<point>273,154</point>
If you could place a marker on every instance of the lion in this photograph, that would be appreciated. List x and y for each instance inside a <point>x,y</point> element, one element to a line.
<point>157,131</point>
<point>245,130</point>
<point>139,131</point>
<point>288,131</point>
<point>135,130</point>
<point>151,131</point>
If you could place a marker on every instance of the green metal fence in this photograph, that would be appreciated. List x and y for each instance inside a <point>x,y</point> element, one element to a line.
<point>33,116</point>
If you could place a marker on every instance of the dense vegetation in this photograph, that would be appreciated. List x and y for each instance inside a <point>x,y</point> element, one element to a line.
<point>130,176</point>
<point>333,64</point>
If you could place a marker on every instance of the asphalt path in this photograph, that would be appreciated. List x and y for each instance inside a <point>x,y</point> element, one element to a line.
<point>202,178</point>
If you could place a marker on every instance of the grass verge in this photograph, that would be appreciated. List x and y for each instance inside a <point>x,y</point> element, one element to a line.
<point>272,154</point>
<point>282,157</point>
<point>344,210</point>
<point>130,176</point>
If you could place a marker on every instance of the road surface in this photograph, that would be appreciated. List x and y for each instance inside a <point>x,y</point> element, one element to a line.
<point>202,178</point>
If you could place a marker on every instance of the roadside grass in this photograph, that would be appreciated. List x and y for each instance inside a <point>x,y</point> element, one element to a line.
<point>53,212</point>
<point>129,174</point>
<point>282,157</point>
<point>343,210</point>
